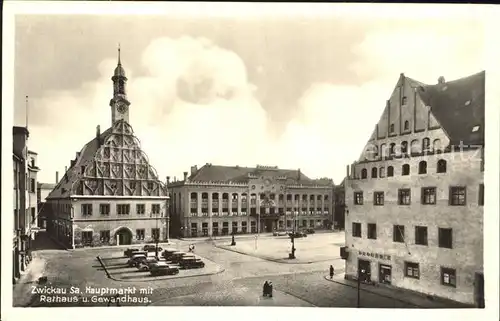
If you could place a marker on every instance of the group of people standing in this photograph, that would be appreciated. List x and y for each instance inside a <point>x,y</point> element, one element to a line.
<point>268,289</point>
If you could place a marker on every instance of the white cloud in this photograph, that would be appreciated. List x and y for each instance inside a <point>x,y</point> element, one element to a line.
<point>196,105</point>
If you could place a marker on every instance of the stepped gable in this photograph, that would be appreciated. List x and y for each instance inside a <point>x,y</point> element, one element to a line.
<point>239,174</point>
<point>459,106</point>
<point>112,164</point>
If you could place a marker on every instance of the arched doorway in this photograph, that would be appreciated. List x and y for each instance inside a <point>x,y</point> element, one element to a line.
<point>123,236</point>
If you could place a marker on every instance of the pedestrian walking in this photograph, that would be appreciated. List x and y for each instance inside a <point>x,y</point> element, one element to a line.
<point>332,271</point>
<point>265,289</point>
<point>270,289</point>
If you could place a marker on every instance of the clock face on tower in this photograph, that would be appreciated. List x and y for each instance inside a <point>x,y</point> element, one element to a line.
<point>121,108</point>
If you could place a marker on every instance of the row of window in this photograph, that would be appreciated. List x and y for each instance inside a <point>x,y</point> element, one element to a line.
<point>105,235</point>
<point>416,147</point>
<point>448,275</point>
<point>405,170</point>
<point>262,196</point>
<point>457,196</point>
<point>445,235</point>
<point>121,209</point>
<point>234,224</point>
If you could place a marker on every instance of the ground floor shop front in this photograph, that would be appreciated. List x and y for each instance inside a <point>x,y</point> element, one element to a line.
<point>234,225</point>
<point>447,280</point>
<point>87,233</point>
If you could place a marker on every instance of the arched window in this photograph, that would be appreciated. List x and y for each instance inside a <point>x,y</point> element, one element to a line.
<point>415,147</point>
<point>364,173</point>
<point>392,149</point>
<point>404,100</point>
<point>374,172</point>
<point>371,152</point>
<point>204,196</point>
<point>390,171</point>
<point>436,145</point>
<point>441,166</point>
<point>391,128</point>
<point>383,151</point>
<point>407,125</point>
<point>194,196</point>
<point>225,196</point>
<point>381,172</point>
<point>215,196</point>
<point>422,167</point>
<point>426,144</point>
<point>405,169</point>
<point>404,147</point>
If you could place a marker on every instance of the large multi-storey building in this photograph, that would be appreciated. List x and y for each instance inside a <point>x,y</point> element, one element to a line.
<point>415,197</point>
<point>221,200</point>
<point>110,194</point>
<point>24,200</point>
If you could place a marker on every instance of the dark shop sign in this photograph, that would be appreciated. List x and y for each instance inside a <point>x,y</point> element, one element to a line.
<point>375,255</point>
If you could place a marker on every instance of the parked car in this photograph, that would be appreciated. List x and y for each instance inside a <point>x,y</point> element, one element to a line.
<point>191,263</point>
<point>176,257</point>
<point>310,231</point>
<point>128,252</point>
<point>167,253</point>
<point>136,258</point>
<point>280,233</point>
<point>145,263</point>
<point>162,268</point>
<point>297,234</point>
<point>151,248</point>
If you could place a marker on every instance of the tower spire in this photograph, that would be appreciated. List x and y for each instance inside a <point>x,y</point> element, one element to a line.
<point>119,54</point>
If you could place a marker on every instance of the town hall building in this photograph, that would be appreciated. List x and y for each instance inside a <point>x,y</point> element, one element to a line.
<point>110,194</point>
<point>223,200</point>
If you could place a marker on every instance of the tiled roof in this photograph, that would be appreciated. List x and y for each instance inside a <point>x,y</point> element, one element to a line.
<point>239,174</point>
<point>458,106</point>
<point>46,185</point>
<point>64,187</point>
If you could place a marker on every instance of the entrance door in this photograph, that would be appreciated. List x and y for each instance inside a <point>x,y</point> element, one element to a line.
<point>124,237</point>
<point>385,272</point>
<point>364,270</point>
<point>479,289</point>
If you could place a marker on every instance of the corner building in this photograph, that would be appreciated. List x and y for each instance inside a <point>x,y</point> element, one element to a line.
<point>110,194</point>
<point>414,217</point>
<point>223,200</point>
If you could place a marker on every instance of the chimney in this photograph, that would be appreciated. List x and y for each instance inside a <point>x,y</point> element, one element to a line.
<point>175,178</point>
<point>65,169</point>
<point>347,171</point>
<point>298,175</point>
<point>185,176</point>
<point>168,180</point>
<point>194,169</point>
<point>57,177</point>
<point>441,80</point>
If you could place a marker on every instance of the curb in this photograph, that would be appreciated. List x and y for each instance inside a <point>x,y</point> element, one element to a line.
<point>327,277</point>
<point>110,276</point>
<point>280,261</point>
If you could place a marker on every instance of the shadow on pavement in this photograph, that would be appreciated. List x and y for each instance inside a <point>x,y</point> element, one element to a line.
<point>43,241</point>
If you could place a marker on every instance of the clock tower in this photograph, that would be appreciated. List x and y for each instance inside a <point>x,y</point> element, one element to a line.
<point>119,103</point>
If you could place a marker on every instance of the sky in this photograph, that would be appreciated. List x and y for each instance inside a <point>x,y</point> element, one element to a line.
<point>302,91</point>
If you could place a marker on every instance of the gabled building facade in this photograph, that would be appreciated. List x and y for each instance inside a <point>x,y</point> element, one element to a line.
<point>414,216</point>
<point>223,200</point>
<point>110,194</point>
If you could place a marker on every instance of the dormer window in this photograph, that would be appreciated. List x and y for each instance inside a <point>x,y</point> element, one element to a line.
<point>391,128</point>
<point>407,125</point>
<point>404,100</point>
<point>475,129</point>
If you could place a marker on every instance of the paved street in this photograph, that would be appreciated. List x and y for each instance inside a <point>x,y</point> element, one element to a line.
<point>239,283</point>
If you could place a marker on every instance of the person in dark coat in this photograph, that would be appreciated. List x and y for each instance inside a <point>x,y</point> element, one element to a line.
<point>270,286</point>
<point>331,271</point>
<point>265,289</point>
